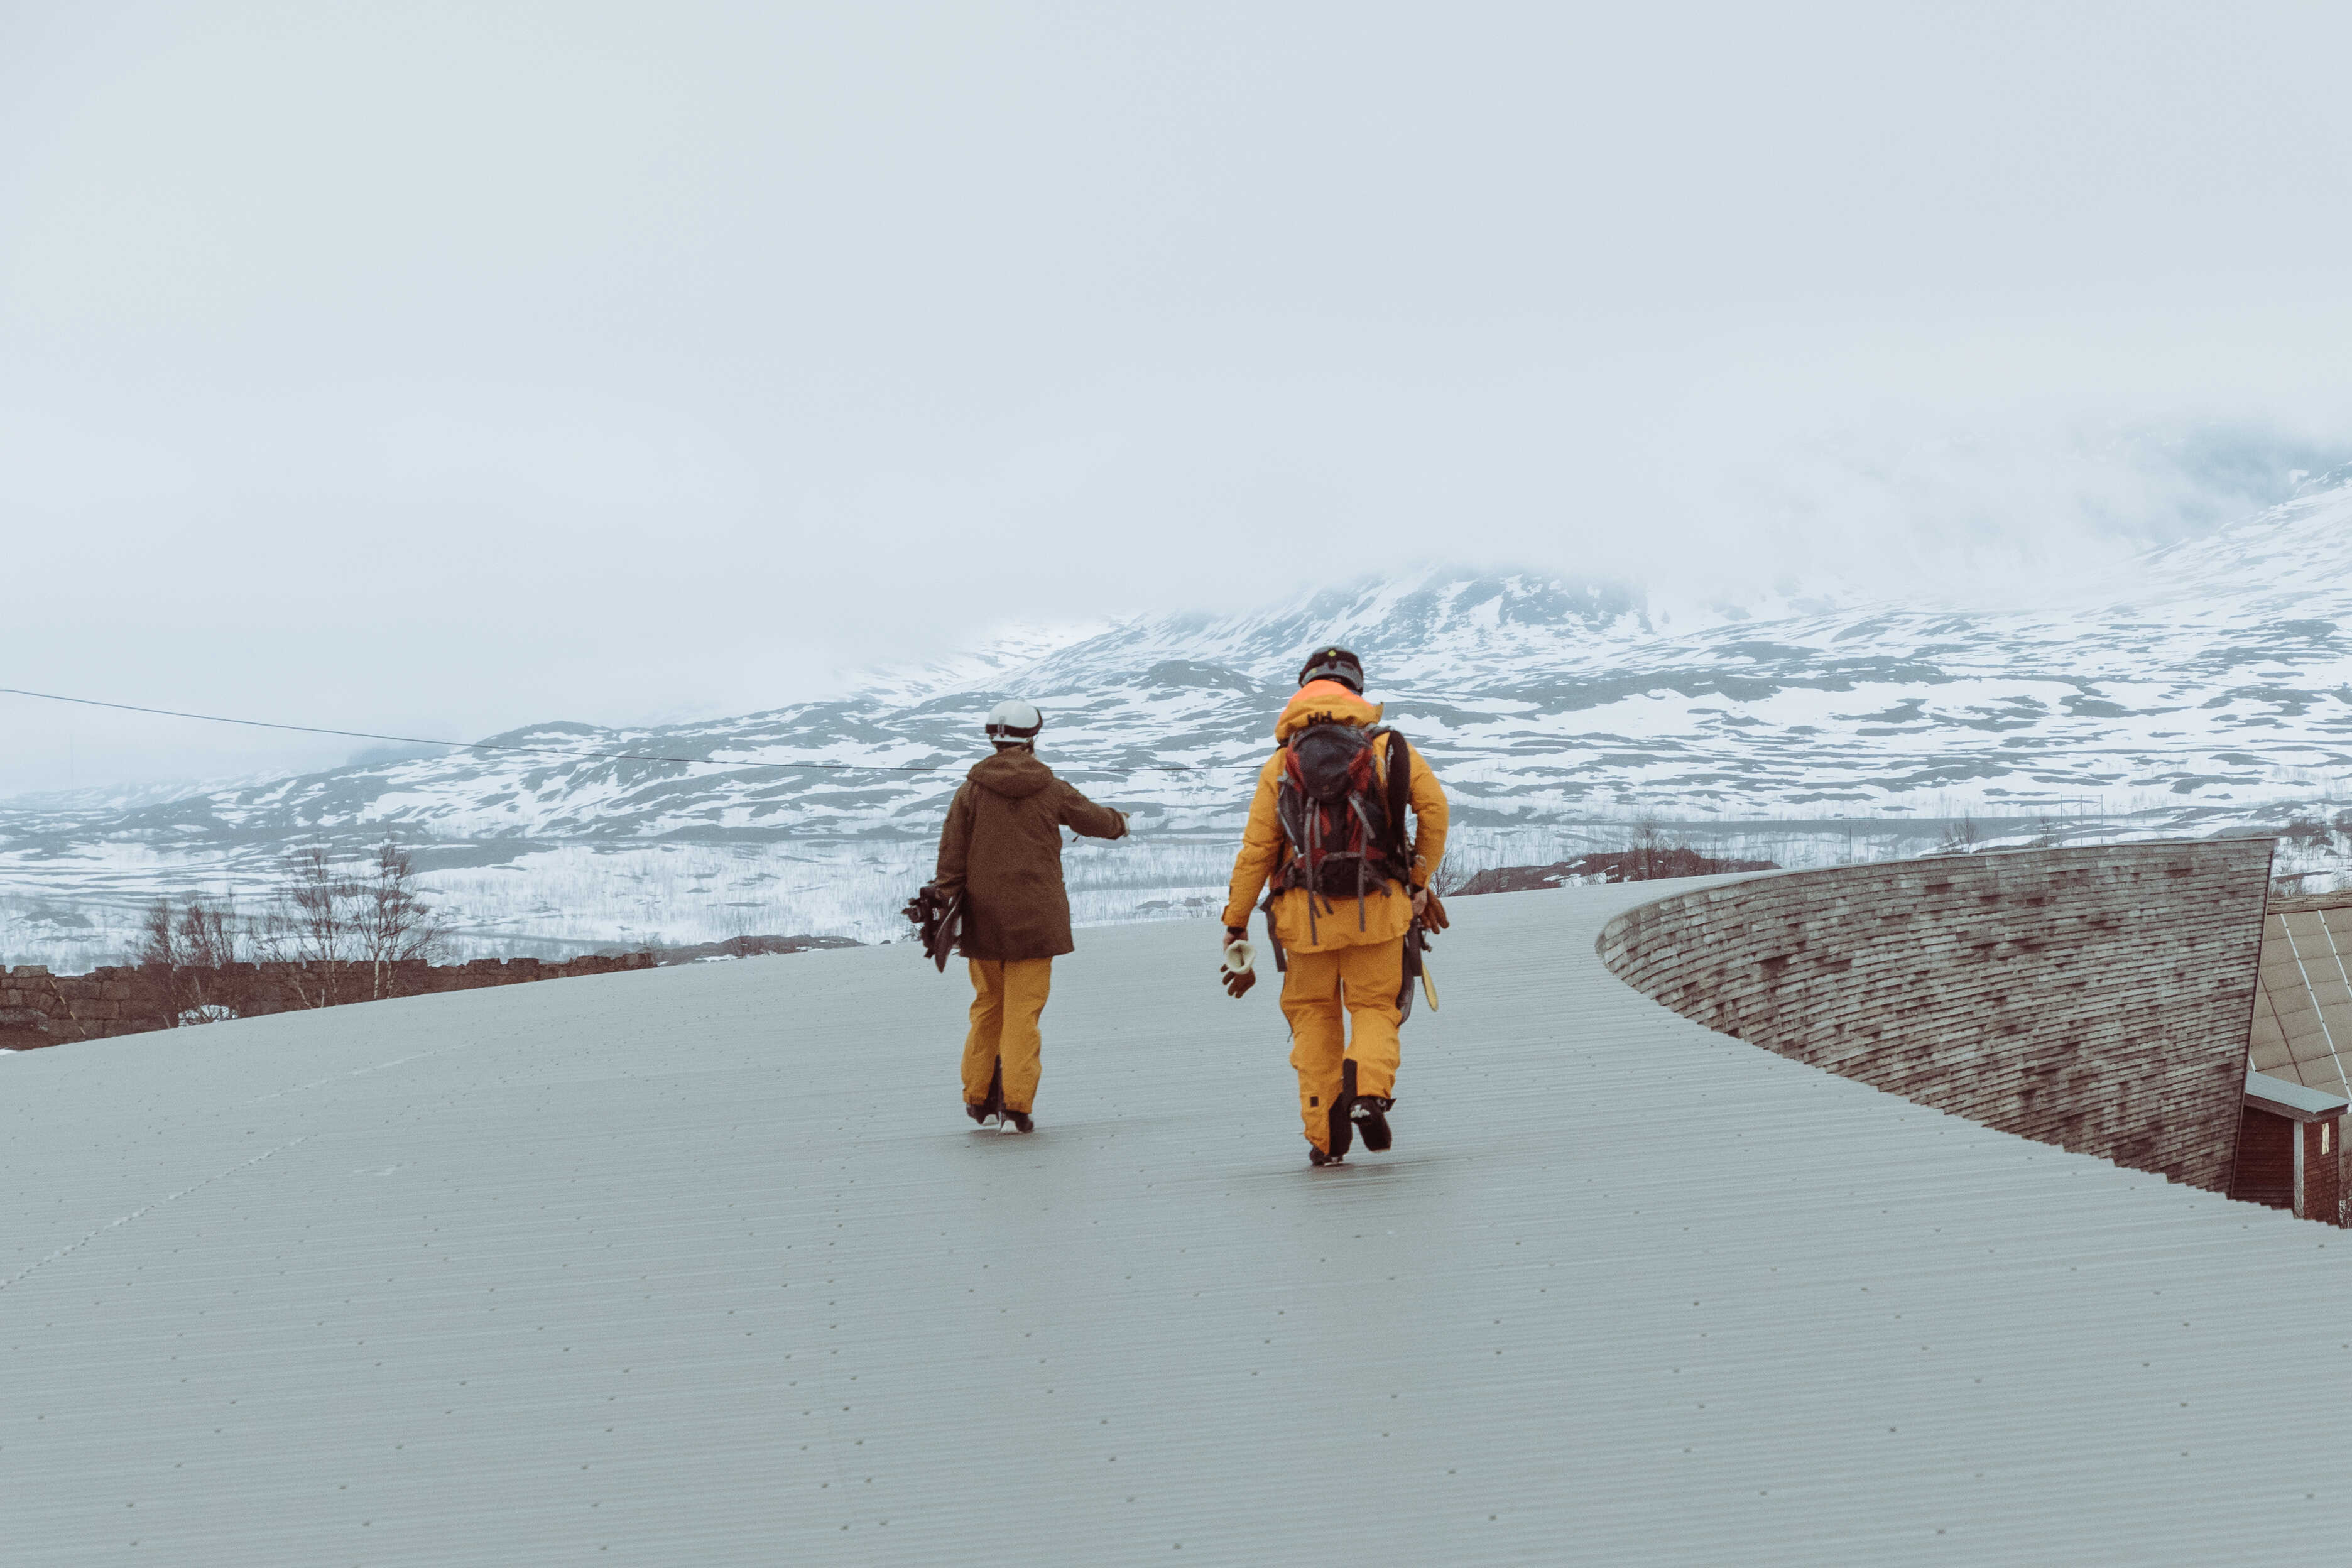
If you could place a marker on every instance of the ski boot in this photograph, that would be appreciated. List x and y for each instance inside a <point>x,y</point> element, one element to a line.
<point>1318,1158</point>
<point>1015,1122</point>
<point>1370,1113</point>
<point>991,1109</point>
<point>1340,1135</point>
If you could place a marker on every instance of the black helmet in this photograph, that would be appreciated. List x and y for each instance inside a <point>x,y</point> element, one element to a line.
<point>1334,664</point>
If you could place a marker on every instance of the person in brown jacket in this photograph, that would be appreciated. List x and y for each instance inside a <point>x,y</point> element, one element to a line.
<point>1002,849</point>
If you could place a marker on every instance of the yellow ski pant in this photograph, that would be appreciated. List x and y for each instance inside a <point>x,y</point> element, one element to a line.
<point>1008,995</point>
<point>1362,982</point>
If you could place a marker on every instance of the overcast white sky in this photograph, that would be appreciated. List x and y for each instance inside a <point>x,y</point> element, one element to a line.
<point>441,368</point>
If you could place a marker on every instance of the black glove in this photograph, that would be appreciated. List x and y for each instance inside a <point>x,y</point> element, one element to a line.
<point>925,910</point>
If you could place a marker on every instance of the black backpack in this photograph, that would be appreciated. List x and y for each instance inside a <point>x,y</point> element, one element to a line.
<point>1346,833</point>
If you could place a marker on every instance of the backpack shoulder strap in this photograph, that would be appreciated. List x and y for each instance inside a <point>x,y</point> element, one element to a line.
<point>1400,797</point>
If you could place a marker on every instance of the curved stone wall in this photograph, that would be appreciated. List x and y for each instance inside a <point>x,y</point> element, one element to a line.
<point>2097,998</point>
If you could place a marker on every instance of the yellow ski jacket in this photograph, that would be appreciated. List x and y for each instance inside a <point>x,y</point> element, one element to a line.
<point>1386,913</point>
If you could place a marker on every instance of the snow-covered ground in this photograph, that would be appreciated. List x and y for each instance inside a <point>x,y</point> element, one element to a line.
<point>2207,688</point>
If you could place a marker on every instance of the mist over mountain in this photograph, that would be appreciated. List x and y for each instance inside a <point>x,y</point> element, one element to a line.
<point>2206,688</point>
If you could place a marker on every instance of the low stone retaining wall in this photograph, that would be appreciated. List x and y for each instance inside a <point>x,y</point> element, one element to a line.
<point>2097,998</point>
<point>37,1008</point>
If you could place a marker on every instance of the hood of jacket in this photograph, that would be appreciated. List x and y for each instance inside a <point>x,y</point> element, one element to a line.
<point>1324,699</point>
<point>1015,775</point>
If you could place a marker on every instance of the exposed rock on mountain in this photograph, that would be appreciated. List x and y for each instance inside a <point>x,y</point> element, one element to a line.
<point>2209,688</point>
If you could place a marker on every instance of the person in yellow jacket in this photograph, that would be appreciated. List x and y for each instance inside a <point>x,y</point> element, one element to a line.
<point>1326,828</point>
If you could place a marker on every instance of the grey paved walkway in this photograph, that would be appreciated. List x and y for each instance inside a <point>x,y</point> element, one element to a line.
<point>703,1266</point>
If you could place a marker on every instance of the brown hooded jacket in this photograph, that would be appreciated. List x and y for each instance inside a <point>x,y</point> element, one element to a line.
<point>1003,848</point>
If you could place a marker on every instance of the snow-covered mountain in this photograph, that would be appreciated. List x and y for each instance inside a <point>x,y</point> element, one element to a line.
<point>2207,687</point>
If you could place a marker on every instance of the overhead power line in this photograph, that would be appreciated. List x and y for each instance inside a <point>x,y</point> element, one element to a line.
<point>585,756</point>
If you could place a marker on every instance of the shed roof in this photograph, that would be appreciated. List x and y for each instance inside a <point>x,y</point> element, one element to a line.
<point>2286,1098</point>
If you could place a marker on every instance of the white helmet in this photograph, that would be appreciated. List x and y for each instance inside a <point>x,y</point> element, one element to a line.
<point>1013,721</point>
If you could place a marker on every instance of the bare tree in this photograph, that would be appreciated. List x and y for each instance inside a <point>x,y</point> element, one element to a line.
<point>159,937</point>
<point>342,931</point>
<point>1960,838</point>
<point>392,925</point>
<point>1650,848</point>
<point>312,927</point>
<point>158,958</point>
<point>1452,877</point>
<point>186,957</point>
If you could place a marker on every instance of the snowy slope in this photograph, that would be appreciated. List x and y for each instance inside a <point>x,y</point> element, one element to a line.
<point>2219,685</point>
<point>2208,687</point>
